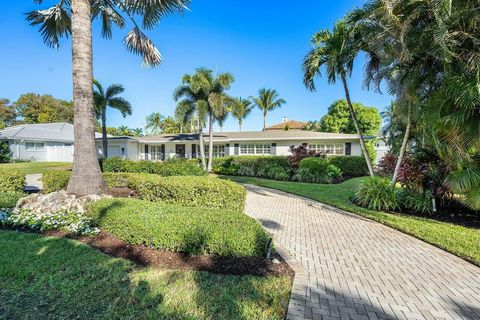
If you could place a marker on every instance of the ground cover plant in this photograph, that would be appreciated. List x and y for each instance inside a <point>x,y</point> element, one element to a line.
<point>12,181</point>
<point>67,279</point>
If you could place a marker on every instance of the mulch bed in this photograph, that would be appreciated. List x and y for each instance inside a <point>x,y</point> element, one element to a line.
<point>122,193</point>
<point>146,256</point>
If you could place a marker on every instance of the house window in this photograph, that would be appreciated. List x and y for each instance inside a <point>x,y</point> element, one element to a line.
<point>156,153</point>
<point>251,149</point>
<point>218,151</point>
<point>333,148</point>
<point>34,146</point>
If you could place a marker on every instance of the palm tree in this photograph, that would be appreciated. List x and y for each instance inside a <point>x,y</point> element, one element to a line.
<point>222,117</point>
<point>170,126</point>
<point>124,130</point>
<point>154,123</point>
<point>267,100</point>
<point>240,109</point>
<point>137,132</point>
<point>109,98</point>
<point>74,18</point>
<point>335,51</point>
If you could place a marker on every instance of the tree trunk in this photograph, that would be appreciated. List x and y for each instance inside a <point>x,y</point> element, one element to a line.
<point>202,147</point>
<point>264,121</point>
<point>104,133</point>
<point>210,143</point>
<point>240,125</point>
<point>86,176</point>
<point>359,132</point>
<point>403,148</point>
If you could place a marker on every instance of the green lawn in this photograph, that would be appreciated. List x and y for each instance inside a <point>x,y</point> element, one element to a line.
<point>461,241</point>
<point>54,278</point>
<point>35,167</point>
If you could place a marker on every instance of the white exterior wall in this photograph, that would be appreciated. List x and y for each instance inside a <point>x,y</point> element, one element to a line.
<point>52,151</point>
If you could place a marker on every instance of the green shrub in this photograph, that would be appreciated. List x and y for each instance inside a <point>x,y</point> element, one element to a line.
<point>415,201</point>
<point>224,166</point>
<point>115,164</point>
<point>352,166</point>
<point>377,194</point>
<point>9,199</point>
<point>55,180</point>
<point>270,167</point>
<point>176,228</point>
<point>317,170</point>
<point>12,181</point>
<point>172,167</point>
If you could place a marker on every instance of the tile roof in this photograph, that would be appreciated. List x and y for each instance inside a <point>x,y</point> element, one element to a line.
<point>291,124</point>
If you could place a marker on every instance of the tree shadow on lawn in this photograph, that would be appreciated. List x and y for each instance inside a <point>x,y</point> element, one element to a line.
<point>54,278</point>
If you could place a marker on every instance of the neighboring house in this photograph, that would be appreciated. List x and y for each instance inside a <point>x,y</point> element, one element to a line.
<point>381,149</point>
<point>40,142</point>
<point>161,147</point>
<point>287,125</point>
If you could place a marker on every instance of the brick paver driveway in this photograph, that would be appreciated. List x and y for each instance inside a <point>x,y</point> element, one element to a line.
<point>353,268</point>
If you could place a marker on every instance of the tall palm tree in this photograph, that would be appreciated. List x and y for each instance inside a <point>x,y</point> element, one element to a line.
<point>336,52</point>
<point>240,109</point>
<point>154,123</point>
<point>74,18</point>
<point>267,100</point>
<point>221,117</point>
<point>109,98</point>
<point>137,132</point>
<point>124,130</point>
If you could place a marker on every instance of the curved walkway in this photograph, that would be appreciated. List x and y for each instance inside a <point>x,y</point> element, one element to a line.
<point>348,267</point>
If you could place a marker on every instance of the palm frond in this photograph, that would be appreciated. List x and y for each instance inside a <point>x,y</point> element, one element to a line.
<point>121,105</point>
<point>137,42</point>
<point>54,22</point>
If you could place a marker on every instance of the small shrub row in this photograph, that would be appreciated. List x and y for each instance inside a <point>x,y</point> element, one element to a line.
<point>173,167</point>
<point>317,170</point>
<point>177,228</point>
<point>194,191</point>
<point>9,199</point>
<point>11,181</point>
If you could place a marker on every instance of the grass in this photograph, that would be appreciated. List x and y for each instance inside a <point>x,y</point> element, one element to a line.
<point>54,278</point>
<point>35,167</point>
<point>459,240</point>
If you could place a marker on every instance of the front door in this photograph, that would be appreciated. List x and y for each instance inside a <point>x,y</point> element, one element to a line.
<point>180,150</point>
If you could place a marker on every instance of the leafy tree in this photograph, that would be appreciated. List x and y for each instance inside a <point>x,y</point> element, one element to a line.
<point>338,118</point>
<point>109,98</point>
<point>36,108</point>
<point>240,109</point>
<point>267,100</point>
<point>154,123</point>
<point>8,115</point>
<point>335,51</point>
<point>74,18</point>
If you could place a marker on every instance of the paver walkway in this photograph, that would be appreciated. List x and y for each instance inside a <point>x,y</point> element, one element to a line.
<point>33,182</point>
<point>349,267</point>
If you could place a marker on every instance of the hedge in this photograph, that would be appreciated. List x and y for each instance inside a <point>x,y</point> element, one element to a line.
<point>9,199</point>
<point>317,170</point>
<point>352,166</point>
<point>176,228</point>
<point>270,167</point>
<point>12,181</point>
<point>173,167</point>
<point>210,192</point>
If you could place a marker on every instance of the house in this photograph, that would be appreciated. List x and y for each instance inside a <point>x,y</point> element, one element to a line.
<point>165,146</point>
<point>287,125</point>
<point>40,142</point>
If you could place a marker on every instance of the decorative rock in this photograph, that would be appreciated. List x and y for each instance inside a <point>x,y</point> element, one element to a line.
<point>59,201</point>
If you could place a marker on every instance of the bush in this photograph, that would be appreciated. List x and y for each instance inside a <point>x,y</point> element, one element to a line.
<point>270,167</point>
<point>351,166</point>
<point>12,181</point>
<point>172,167</point>
<point>176,228</point>
<point>9,199</point>
<point>317,170</point>
<point>209,192</point>
<point>5,153</point>
<point>301,152</point>
<point>224,166</point>
<point>377,194</point>
<point>55,180</point>
<point>416,202</point>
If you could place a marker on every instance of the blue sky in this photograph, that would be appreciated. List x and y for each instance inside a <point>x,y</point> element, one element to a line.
<point>262,43</point>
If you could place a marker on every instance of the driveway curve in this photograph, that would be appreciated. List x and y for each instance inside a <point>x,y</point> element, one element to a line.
<point>349,267</point>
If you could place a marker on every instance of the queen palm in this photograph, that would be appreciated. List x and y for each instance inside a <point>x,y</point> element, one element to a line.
<point>154,123</point>
<point>240,109</point>
<point>267,100</point>
<point>109,98</point>
<point>335,51</point>
<point>74,18</point>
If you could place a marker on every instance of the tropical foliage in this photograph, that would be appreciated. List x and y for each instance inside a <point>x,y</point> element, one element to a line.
<point>240,109</point>
<point>267,100</point>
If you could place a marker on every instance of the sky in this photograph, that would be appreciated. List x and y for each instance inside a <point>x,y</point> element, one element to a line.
<point>262,43</point>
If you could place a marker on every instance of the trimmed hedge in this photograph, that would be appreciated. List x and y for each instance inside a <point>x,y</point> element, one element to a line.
<point>270,167</point>
<point>194,191</point>
<point>12,181</point>
<point>173,167</point>
<point>353,166</point>
<point>317,170</point>
<point>9,199</point>
<point>176,228</point>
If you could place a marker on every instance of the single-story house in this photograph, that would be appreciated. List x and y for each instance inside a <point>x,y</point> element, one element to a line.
<point>165,146</point>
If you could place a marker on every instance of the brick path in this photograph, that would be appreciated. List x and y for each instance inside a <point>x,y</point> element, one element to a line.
<point>348,267</point>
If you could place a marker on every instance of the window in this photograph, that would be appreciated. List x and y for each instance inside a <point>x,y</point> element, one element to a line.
<point>333,148</point>
<point>218,151</point>
<point>260,149</point>
<point>34,146</point>
<point>156,153</point>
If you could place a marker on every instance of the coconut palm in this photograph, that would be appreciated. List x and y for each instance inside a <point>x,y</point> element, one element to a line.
<point>137,132</point>
<point>335,51</point>
<point>124,130</point>
<point>74,18</point>
<point>267,100</point>
<point>154,123</point>
<point>240,109</point>
<point>109,98</point>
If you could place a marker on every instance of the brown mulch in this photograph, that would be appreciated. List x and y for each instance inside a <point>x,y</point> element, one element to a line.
<point>122,193</point>
<point>146,256</point>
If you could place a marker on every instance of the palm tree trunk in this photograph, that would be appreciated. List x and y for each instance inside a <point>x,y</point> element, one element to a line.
<point>240,125</point>
<point>264,121</point>
<point>359,132</point>
<point>403,148</point>
<point>202,148</point>
<point>86,176</point>
<point>104,133</point>
<point>210,142</point>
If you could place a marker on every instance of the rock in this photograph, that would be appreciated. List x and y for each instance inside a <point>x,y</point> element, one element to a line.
<point>59,201</point>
